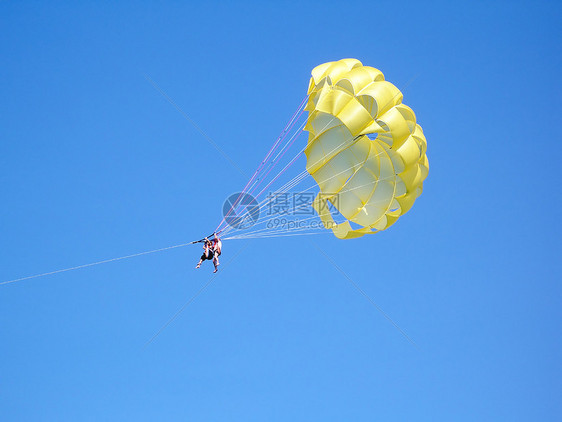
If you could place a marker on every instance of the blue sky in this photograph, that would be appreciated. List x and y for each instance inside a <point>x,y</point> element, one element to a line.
<point>96,164</point>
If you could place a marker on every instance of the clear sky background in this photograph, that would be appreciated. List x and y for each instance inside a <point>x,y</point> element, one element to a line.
<point>96,164</point>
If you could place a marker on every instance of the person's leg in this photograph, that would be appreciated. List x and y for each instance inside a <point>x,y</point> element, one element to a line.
<point>203,258</point>
<point>216,262</point>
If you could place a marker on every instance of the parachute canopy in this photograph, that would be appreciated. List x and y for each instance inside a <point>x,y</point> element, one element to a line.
<point>365,150</point>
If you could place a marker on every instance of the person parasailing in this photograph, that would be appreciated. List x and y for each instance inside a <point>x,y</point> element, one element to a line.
<point>212,249</point>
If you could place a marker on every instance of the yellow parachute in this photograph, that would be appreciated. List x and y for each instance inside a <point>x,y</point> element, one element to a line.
<point>365,150</point>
